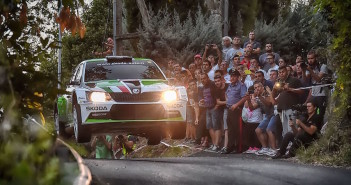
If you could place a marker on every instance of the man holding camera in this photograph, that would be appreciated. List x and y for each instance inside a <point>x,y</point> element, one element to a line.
<point>212,60</point>
<point>102,146</point>
<point>109,47</point>
<point>315,72</point>
<point>302,135</point>
<point>124,144</point>
<point>285,96</point>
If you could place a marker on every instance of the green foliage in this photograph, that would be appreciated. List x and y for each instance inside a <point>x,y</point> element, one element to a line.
<point>167,37</point>
<point>25,42</point>
<point>335,146</point>
<point>296,34</point>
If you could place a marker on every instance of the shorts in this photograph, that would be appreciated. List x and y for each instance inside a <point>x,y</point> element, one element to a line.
<point>214,118</point>
<point>269,123</point>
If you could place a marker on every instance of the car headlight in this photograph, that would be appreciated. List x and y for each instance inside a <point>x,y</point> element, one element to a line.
<point>99,97</point>
<point>169,96</point>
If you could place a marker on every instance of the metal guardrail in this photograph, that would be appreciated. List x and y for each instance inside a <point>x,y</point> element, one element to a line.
<point>84,177</point>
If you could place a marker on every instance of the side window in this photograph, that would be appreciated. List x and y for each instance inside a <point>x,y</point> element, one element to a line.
<point>75,74</point>
<point>78,76</point>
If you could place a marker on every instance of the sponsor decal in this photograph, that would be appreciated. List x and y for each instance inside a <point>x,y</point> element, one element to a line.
<point>94,108</point>
<point>176,105</point>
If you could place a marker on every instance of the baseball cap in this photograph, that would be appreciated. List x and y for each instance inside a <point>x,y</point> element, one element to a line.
<point>197,56</point>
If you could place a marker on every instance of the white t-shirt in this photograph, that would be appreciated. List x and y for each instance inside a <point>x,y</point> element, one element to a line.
<point>211,73</point>
<point>253,116</point>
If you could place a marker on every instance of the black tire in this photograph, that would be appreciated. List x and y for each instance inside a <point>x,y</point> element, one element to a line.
<point>81,135</point>
<point>61,130</point>
<point>177,130</point>
<point>154,138</point>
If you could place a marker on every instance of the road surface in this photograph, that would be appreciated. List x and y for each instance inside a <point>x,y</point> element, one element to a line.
<point>213,169</point>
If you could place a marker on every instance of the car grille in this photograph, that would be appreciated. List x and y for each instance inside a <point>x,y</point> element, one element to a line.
<point>137,112</point>
<point>143,97</point>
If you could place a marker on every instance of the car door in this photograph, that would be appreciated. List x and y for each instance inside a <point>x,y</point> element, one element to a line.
<point>75,82</point>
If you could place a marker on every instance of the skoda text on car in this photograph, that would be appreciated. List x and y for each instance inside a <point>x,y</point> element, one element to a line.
<point>120,93</point>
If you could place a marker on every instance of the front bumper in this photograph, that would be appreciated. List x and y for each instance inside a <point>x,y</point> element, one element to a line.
<point>112,112</point>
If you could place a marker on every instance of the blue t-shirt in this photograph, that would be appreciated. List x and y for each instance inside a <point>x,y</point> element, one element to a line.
<point>208,94</point>
<point>235,93</point>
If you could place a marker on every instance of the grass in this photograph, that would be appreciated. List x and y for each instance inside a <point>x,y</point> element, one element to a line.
<point>334,146</point>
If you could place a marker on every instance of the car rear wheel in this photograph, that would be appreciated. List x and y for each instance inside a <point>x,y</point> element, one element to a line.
<point>60,126</point>
<point>81,135</point>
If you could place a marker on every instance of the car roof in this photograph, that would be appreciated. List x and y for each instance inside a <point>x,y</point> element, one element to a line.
<point>105,60</point>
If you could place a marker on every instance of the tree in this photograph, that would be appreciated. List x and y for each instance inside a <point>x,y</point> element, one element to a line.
<point>335,145</point>
<point>167,37</point>
<point>25,155</point>
<point>300,31</point>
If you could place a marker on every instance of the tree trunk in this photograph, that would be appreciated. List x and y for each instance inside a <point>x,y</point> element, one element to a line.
<point>143,11</point>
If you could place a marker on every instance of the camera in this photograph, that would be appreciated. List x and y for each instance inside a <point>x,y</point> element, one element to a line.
<point>251,91</point>
<point>300,112</point>
<point>279,86</point>
<point>303,65</point>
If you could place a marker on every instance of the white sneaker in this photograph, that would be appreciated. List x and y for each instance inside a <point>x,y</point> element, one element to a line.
<point>263,151</point>
<point>271,152</point>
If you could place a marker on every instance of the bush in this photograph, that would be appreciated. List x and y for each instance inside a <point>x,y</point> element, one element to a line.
<point>167,37</point>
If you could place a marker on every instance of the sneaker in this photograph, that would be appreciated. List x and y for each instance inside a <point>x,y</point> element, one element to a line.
<point>249,151</point>
<point>263,151</point>
<point>210,148</point>
<point>271,152</point>
<point>224,150</point>
<point>278,155</point>
<point>215,148</point>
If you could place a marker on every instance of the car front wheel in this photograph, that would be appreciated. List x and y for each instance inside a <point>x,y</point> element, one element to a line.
<point>81,135</point>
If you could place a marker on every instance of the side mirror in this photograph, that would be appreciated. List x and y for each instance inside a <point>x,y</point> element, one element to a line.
<point>73,83</point>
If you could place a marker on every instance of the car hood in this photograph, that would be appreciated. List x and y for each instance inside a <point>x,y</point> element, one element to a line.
<point>129,86</point>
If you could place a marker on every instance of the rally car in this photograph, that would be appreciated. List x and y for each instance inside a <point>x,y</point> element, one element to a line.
<point>119,93</point>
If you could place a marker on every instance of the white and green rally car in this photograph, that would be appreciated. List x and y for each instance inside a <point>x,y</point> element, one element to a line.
<point>120,93</point>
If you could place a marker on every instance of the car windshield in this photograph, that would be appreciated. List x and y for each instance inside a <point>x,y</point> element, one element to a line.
<point>96,71</point>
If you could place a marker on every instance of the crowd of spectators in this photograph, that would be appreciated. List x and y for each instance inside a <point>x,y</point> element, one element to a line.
<point>243,99</point>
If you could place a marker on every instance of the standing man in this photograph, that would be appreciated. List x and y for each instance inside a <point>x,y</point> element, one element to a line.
<point>269,50</point>
<point>288,97</point>
<point>256,46</point>
<point>235,98</point>
<point>211,58</point>
<point>224,68</point>
<point>221,109</point>
<point>272,64</point>
<point>207,100</point>
<point>198,61</point>
<point>235,50</point>
<point>259,76</point>
<point>315,72</point>
<point>273,76</point>
<point>226,43</point>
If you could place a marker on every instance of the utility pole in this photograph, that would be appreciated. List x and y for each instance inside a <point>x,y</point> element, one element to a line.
<point>59,51</point>
<point>117,27</point>
<point>225,18</point>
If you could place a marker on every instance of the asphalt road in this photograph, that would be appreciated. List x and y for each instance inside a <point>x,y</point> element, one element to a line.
<point>205,168</point>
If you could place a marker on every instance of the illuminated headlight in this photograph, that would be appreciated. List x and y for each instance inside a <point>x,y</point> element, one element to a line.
<point>169,96</point>
<point>99,97</point>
